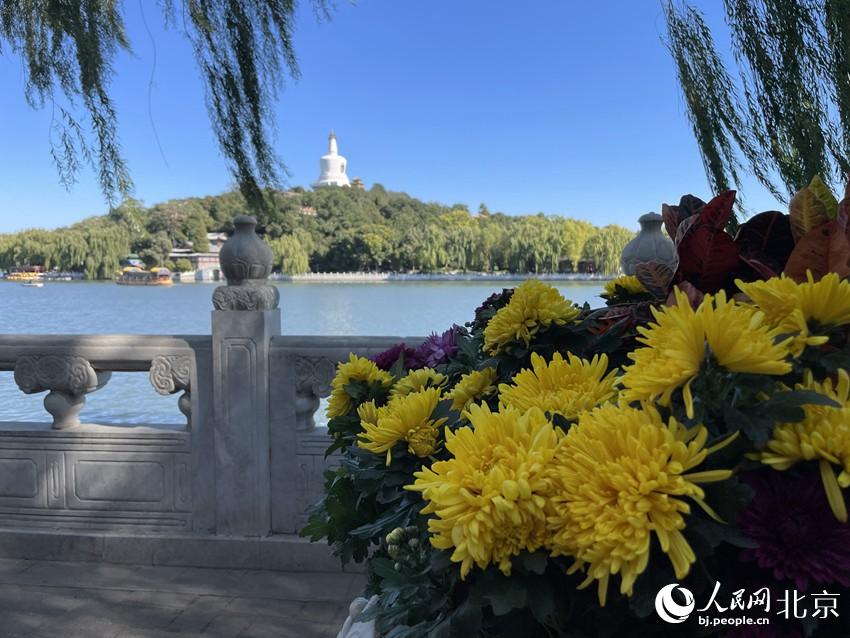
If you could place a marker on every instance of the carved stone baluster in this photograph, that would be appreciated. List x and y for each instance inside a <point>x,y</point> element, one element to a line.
<point>312,381</point>
<point>171,374</point>
<point>68,377</point>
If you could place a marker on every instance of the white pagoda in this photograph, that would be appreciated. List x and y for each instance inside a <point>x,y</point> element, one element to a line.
<point>333,167</point>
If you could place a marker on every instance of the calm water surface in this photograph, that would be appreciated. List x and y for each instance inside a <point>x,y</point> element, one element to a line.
<point>387,308</point>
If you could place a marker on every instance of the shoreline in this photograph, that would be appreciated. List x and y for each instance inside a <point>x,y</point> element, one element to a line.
<point>364,277</point>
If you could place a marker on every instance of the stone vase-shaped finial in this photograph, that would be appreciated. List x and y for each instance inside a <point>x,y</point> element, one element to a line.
<point>649,245</point>
<point>246,261</point>
<point>245,256</point>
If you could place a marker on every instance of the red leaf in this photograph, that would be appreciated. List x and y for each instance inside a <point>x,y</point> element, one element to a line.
<point>670,215</point>
<point>694,295</point>
<point>766,238</point>
<point>717,212</point>
<point>822,250</point>
<point>706,257</point>
<point>763,270</point>
<point>603,319</point>
<point>655,277</point>
<point>684,228</point>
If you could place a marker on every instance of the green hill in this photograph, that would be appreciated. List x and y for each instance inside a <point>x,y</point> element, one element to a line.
<point>331,229</point>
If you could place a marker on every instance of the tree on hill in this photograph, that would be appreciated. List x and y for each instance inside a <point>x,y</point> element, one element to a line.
<point>290,254</point>
<point>154,249</point>
<point>333,229</point>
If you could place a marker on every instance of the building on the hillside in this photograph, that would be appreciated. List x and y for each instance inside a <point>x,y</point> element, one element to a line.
<point>205,265</point>
<point>332,166</point>
<point>310,211</point>
<point>216,241</point>
<point>358,184</point>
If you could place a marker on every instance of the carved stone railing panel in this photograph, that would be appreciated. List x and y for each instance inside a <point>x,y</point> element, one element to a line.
<point>170,374</point>
<point>67,377</point>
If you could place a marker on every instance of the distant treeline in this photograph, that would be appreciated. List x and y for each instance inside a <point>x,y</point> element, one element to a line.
<point>331,229</point>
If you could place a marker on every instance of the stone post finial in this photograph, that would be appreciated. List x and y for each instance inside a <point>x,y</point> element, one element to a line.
<point>650,245</point>
<point>246,261</point>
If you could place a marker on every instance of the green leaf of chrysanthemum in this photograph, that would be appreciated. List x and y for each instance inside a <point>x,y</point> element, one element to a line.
<point>509,596</point>
<point>534,563</point>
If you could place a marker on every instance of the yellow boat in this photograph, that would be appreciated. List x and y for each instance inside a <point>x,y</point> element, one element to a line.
<point>24,276</point>
<point>134,276</point>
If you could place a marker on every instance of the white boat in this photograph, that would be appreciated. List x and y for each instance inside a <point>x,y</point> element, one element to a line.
<point>33,284</point>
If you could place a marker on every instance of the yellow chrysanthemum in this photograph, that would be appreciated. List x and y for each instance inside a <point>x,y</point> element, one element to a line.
<point>490,497</point>
<point>620,475</point>
<point>406,418</point>
<point>630,283</point>
<point>416,380</point>
<point>355,369</point>
<point>472,387</point>
<point>823,436</point>
<point>370,413</point>
<point>564,386</point>
<point>794,307</point>
<point>735,335</point>
<point>533,305</point>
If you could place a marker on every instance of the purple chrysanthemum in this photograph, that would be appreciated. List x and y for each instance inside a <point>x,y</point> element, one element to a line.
<point>798,536</point>
<point>438,349</point>
<point>490,305</point>
<point>387,359</point>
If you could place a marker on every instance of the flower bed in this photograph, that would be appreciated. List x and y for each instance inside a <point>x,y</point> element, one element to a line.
<point>555,470</point>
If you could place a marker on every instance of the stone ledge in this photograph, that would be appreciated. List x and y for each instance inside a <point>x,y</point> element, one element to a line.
<point>281,552</point>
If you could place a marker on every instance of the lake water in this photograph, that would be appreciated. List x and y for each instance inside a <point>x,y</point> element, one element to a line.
<point>387,308</point>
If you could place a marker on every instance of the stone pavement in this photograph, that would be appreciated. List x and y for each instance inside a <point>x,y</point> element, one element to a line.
<point>43,599</point>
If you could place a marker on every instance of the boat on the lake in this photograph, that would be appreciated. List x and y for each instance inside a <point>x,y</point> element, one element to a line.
<point>25,274</point>
<point>33,284</point>
<point>135,276</point>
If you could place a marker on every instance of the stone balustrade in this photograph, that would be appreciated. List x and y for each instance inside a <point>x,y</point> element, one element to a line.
<point>246,464</point>
<point>229,487</point>
<point>70,366</point>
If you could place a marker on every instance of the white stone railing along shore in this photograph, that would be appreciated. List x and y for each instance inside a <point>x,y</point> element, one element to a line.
<point>336,277</point>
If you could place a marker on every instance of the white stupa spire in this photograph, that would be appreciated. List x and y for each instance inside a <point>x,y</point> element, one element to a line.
<point>332,166</point>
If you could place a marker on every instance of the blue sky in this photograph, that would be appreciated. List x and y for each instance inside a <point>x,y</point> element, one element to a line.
<point>555,106</point>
